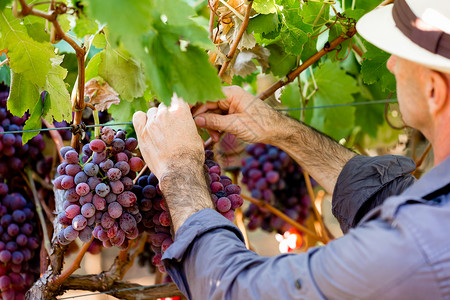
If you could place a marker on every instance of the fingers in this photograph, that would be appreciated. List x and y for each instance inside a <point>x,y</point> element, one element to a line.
<point>151,113</point>
<point>213,121</point>
<point>139,121</point>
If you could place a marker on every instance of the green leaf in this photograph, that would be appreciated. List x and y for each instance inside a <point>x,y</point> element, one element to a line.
<point>22,96</point>
<point>315,13</point>
<point>99,41</point>
<point>126,19</point>
<point>369,117</point>
<point>123,73</point>
<point>334,87</point>
<point>85,26</point>
<point>374,68</point>
<point>263,23</point>
<point>33,122</point>
<point>25,54</point>
<point>92,67</point>
<point>293,40</point>
<point>291,98</point>
<point>36,30</point>
<point>59,106</point>
<point>280,62</point>
<point>264,6</point>
<point>124,111</point>
<point>4,3</point>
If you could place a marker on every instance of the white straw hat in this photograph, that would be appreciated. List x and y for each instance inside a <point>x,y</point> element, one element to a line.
<point>417,30</point>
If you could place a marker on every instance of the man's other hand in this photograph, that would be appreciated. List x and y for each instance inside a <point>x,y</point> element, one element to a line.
<point>241,114</point>
<point>168,137</point>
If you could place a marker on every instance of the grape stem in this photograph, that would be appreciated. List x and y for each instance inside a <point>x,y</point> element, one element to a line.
<point>96,122</point>
<point>278,213</point>
<point>140,174</point>
<point>239,218</point>
<point>237,40</point>
<point>292,75</point>
<point>323,229</point>
<point>30,181</point>
<point>56,137</point>
<point>57,33</point>
<point>58,281</point>
<point>139,250</point>
<point>89,160</point>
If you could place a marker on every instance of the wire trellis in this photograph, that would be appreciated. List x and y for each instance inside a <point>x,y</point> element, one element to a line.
<point>280,109</point>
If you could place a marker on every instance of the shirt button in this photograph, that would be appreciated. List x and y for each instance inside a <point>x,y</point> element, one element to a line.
<point>298,284</point>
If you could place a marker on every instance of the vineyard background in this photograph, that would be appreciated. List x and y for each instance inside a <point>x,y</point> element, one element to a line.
<point>67,60</point>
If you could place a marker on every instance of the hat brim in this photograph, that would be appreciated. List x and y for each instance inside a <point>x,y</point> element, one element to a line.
<point>378,27</point>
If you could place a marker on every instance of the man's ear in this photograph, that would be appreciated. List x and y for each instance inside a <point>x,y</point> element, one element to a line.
<point>437,91</point>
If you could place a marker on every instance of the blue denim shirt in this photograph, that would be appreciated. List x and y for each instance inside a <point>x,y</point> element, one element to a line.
<point>398,250</point>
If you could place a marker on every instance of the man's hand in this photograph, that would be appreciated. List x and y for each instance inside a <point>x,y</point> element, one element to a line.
<point>168,137</point>
<point>173,150</point>
<point>241,114</point>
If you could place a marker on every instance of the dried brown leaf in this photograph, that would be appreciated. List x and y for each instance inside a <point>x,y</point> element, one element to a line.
<point>101,94</point>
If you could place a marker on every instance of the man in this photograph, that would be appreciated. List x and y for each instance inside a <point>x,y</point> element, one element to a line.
<point>398,250</point>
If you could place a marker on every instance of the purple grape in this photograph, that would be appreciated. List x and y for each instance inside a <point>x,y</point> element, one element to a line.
<point>236,201</point>
<point>98,157</point>
<point>72,157</point>
<point>86,199</point>
<point>122,157</point>
<point>67,182</point>
<point>17,257</point>
<point>93,182</point>
<point>107,221</point>
<point>64,150</point>
<point>127,223</point>
<point>85,235</point>
<point>87,150</point>
<point>127,183</point>
<point>13,230</point>
<point>19,216</point>
<point>70,233</point>
<point>99,202</point>
<point>117,145</point>
<point>82,189</point>
<point>102,189</point>
<point>114,174</point>
<point>72,169</point>
<point>127,199</point>
<point>63,219</point>
<point>111,197</point>
<point>80,178</point>
<point>79,222</point>
<point>21,240</point>
<point>71,195</point>
<point>136,164</point>
<point>164,218</point>
<point>149,191</point>
<point>272,176</point>
<point>97,145</point>
<point>88,210</point>
<point>229,215</point>
<point>91,169</point>
<point>123,166</point>
<point>233,189</point>
<point>223,204</point>
<point>216,187</point>
<point>72,211</point>
<point>119,238</point>
<point>106,165</point>
<point>131,144</point>
<point>115,210</point>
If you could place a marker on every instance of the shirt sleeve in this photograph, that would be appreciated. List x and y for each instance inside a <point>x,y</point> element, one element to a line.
<point>365,182</point>
<point>208,260</point>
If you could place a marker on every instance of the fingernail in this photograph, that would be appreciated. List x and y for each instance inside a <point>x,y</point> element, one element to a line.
<point>200,121</point>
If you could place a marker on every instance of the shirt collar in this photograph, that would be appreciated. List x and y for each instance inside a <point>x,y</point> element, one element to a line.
<point>435,179</point>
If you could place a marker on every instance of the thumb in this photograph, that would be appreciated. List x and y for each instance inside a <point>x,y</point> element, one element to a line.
<point>139,121</point>
<point>215,121</point>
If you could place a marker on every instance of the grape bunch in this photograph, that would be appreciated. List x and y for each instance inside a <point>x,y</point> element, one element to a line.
<point>13,154</point>
<point>155,214</point>
<point>19,266</point>
<point>98,197</point>
<point>271,175</point>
